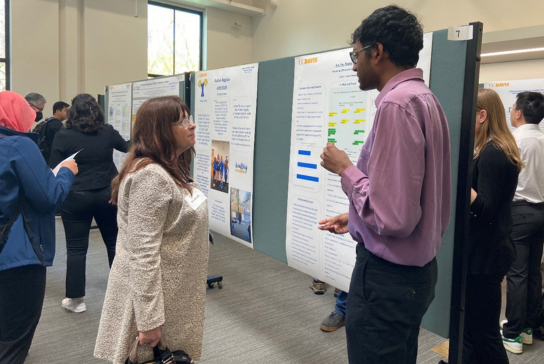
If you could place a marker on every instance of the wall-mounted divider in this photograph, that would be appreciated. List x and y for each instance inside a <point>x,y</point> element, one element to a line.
<point>272,146</point>
<point>183,87</point>
<point>120,104</point>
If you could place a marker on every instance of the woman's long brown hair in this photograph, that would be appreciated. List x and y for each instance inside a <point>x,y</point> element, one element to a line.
<point>153,142</point>
<point>494,129</point>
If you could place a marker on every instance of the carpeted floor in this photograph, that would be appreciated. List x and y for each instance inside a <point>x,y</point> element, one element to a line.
<point>265,313</point>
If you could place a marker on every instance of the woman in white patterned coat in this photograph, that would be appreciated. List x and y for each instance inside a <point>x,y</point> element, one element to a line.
<point>156,287</point>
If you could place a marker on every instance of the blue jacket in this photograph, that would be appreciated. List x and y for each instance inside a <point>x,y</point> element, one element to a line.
<point>23,170</point>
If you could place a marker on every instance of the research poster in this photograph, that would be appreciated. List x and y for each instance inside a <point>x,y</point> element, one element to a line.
<point>225,108</point>
<point>508,90</point>
<point>120,116</point>
<point>328,106</point>
<point>157,87</point>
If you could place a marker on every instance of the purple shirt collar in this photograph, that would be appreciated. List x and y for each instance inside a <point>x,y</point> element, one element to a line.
<point>410,74</point>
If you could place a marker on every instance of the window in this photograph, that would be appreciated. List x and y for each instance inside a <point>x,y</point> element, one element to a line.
<point>4,45</point>
<point>174,40</point>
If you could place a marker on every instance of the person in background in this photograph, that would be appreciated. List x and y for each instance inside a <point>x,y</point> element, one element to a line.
<point>337,318</point>
<point>317,286</point>
<point>405,163</point>
<point>51,126</point>
<point>87,135</point>
<point>524,279</point>
<point>491,253</point>
<point>37,103</point>
<point>54,124</point>
<point>156,289</point>
<point>29,193</point>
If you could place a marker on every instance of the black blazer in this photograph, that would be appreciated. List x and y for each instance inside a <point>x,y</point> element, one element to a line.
<point>494,179</point>
<point>52,127</point>
<point>95,161</point>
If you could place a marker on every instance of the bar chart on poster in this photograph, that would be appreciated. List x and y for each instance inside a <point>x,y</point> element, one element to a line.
<point>328,107</point>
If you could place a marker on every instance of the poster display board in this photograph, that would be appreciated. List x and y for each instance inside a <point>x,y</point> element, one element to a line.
<point>157,87</point>
<point>225,107</point>
<point>119,115</point>
<point>508,90</point>
<point>328,106</point>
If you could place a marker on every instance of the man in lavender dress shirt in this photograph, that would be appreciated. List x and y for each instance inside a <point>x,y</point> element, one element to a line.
<point>399,193</point>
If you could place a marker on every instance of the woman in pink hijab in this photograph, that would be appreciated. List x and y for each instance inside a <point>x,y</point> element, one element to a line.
<point>29,195</point>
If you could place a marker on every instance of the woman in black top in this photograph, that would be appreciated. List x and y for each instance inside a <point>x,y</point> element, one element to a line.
<point>495,175</point>
<point>87,133</point>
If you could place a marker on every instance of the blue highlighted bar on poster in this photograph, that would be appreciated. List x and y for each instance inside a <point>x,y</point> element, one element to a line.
<point>307,165</point>
<point>304,152</point>
<point>307,178</point>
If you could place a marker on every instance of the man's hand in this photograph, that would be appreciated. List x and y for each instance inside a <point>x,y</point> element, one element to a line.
<point>336,224</point>
<point>150,338</point>
<point>335,160</point>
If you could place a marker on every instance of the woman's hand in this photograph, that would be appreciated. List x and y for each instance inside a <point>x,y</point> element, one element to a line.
<point>71,165</point>
<point>150,338</point>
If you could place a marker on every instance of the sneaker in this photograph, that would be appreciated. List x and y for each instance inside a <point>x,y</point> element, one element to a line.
<point>333,322</point>
<point>526,334</point>
<point>76,305</point>
<point>317,286</point>
<point>514,346</point>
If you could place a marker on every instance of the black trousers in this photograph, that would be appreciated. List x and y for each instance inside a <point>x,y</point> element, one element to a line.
<point>22,290</point>
<point>77,214</point>
<point>482,343</point>
<point>524,280</point>
<point>386,303</point>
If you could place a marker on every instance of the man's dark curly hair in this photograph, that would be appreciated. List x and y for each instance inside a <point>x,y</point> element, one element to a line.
<point>85,115</point>
<point>397,30</point>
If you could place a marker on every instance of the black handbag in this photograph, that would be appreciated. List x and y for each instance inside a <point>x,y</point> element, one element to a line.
<point>162,354</point>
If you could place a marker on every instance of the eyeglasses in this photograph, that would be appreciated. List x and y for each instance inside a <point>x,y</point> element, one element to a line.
<point>185,123</point>
<point>355,54</point>
<point>40,109</point>
<point>510,109</point>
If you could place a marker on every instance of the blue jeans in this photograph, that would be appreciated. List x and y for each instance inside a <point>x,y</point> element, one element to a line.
<point>341,301</point>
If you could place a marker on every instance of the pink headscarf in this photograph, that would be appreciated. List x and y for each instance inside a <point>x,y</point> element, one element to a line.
<point>15,112</point>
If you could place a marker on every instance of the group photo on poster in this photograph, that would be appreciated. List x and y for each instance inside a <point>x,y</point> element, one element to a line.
<point>220,166</point>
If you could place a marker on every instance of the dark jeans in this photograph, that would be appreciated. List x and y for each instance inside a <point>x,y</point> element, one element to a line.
<point>77,214</point>
<point>524,280</point>
<point>482,341</point>
<point>22,290</point>
<point>386,303</point>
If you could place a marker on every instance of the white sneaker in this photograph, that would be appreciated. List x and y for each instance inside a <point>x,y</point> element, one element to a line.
<point>526,334</point>
<point>76,305</point>
<point>514,346</point>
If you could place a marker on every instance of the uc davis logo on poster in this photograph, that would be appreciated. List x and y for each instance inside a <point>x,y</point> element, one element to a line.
<point>307,61</point>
